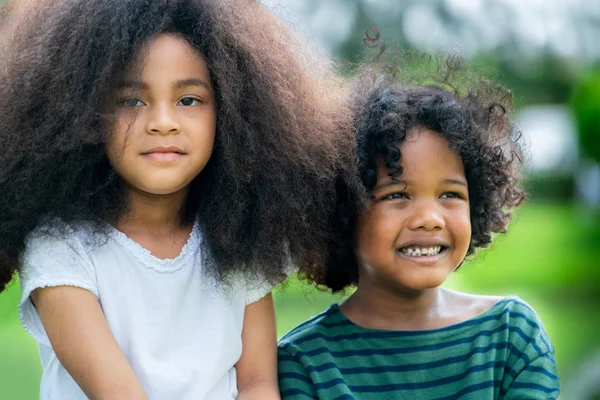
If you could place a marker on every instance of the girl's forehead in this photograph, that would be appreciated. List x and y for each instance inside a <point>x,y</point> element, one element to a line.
<point>163,47</point>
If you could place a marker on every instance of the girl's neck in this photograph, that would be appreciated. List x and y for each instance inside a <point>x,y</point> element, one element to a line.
<point>154,222</point>
<point>154,214</point>
<point>379,308</point>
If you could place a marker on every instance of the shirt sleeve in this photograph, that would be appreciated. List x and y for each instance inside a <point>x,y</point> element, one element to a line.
<point>294,380</point>
<point>538,380</point>
<point>258,287</point>
<point>49,261</point>
<point>532,373</point>
<point>256,290</point>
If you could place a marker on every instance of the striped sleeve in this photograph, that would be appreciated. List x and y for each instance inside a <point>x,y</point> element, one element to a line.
<point>538,380</point>
<point>294,380</point>
<point>533,375</point>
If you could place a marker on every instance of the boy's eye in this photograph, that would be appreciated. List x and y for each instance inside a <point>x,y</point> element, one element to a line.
<point>131,102</point>
<point>452,195</point>
<point>396,195</point>
<point>188,101</point>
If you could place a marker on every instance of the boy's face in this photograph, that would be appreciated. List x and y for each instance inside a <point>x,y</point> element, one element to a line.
<point>165,118</point>
<point>417,229</point>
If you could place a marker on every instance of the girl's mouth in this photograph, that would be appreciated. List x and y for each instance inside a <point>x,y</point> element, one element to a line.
<point>164,156</point>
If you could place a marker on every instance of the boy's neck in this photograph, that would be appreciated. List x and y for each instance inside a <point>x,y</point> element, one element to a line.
<point>381,309</point>
<point>429,309</point>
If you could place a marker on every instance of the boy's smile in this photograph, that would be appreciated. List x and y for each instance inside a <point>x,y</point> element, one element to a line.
<point>417,230</point>
<point>425,251</point>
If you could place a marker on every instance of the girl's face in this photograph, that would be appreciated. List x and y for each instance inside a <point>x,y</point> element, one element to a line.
<point>165,118</point>
<point>418,229</point>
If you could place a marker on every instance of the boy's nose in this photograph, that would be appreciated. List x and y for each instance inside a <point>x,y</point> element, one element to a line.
<point>162,121</point>
<point>426,216</point>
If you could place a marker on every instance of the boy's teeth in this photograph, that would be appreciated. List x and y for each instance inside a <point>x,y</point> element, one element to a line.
<point>422,251</point>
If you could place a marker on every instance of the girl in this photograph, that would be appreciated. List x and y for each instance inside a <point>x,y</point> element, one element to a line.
<point>163,163</point>
<point>440,171</point>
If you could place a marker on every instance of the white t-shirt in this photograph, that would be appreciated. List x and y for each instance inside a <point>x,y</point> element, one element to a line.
<point>178,328</point>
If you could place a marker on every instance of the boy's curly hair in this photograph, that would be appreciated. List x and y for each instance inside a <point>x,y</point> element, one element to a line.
<point>282,121</point>
<point>476,122</point>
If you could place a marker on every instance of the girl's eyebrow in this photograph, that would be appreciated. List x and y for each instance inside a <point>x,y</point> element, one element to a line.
<point>177,84</point>
<point>132,85</point>
<point>191,82</point>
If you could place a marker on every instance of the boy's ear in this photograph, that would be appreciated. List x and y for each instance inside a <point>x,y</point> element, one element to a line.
<point>459,265</point>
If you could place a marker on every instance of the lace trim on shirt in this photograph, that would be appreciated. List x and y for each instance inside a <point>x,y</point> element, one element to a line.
<point>159,264</point>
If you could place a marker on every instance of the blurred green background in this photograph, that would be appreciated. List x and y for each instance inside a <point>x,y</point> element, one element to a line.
<point>547,53</point>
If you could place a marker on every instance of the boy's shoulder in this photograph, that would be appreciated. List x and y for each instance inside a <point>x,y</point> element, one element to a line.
<point>514,316</point>
<point>320,325</point>
<point>522,315</point>
<point>495,314</point>
<point>514,308</point>
<point>492,306</point>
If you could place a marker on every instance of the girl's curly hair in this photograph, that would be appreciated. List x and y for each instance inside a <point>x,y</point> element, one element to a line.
<point>268,190</point>
<point>476,121</point>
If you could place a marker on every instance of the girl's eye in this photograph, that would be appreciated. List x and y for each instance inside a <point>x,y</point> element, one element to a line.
<point>395,196</point>
<point>452,195</point>
<point>131,102</point>
<point>189,101</point>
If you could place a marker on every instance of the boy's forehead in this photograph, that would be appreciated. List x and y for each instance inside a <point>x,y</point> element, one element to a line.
<point>422,151</point>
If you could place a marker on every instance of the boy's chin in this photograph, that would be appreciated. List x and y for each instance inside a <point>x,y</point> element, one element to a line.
<point>421,284</point>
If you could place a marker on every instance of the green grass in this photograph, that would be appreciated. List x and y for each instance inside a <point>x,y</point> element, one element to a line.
<point>549,259</point>
<point>20,367</point>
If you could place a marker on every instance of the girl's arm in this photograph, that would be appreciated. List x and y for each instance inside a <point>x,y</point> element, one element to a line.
<point>84,344</point>
<point>257,367</point>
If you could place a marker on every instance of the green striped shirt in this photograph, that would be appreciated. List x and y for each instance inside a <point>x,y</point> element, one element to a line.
<point>503,353</point>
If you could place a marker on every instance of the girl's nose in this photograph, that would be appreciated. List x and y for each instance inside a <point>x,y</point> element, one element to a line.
<point>426,215</point>
<point>163,121</point>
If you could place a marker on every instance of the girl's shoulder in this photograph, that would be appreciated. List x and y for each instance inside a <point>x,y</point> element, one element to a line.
<point>57,234</point>
<point>55,255</point>
<point>56,245</point>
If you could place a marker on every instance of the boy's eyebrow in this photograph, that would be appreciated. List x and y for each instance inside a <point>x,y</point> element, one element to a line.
<point>448,181</point>
<point>178,84</point>
<point>455,182</point>
<point>393,182</point>
<point>390,182</point>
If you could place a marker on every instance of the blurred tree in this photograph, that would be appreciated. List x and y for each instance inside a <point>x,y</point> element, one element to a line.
<point>540,47</point>
<point>586,108</point>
